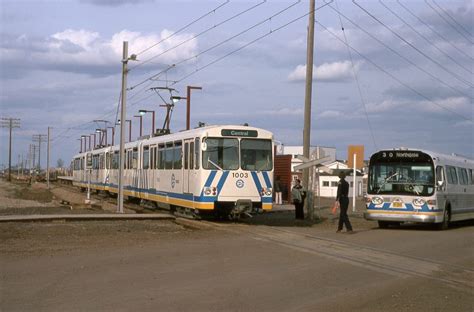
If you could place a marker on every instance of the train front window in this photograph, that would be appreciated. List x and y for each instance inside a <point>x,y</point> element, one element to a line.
<point>402,178</point>
<point>256,154</point>
<point>221,154</point>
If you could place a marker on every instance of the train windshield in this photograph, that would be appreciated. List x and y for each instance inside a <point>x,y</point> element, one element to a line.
<point>256,154</point>
<point>401,174</point>
<point>221,154</point>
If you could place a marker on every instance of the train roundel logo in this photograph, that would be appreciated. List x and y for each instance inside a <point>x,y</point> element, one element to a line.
<point>239,183</point>
<point>173,180</point>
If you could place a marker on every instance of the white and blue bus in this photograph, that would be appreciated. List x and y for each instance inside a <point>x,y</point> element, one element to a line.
<point>227,170</point>
<point>414,185</point>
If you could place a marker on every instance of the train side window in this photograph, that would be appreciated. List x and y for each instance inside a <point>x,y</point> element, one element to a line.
<point>169,155</point>
<point>451,173</point>
<point>191,155</point>
<point>115,160</point>
<point>152,158</point>
<point>471,176</point>
<point>135,158</point>
<point>146,157</point>
<point>161,156</point>
<point>186,155</point>
<point>102,161</point>
<point>178,155</point>
<point>197,160</point>
<point>462,174</point>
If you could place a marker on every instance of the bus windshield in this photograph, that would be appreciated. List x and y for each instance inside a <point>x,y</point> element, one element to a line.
<point>401,178</point>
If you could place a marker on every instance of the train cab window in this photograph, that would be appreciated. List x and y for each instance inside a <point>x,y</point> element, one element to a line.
<point>161,156</point>
<point>221,154</point>
<point>196,153</point>
<point>178,155</point>
<point>135,158</point>
<point>146,157</point>
<point>451,173</point>
<point>256,154</point>
<point>462,174</point>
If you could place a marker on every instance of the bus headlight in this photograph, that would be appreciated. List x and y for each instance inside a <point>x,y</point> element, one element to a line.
<point>418,202</point>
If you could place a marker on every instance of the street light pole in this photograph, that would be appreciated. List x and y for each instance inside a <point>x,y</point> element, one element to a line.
<point>141,124</point>
<point>188,105</point>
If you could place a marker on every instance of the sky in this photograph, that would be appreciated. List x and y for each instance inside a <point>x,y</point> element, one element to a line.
<point>386,73</point>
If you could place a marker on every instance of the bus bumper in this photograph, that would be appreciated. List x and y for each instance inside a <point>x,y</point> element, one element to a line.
<point>425,217</point>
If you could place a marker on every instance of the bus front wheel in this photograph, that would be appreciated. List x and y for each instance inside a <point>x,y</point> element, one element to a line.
<point>445,223</point>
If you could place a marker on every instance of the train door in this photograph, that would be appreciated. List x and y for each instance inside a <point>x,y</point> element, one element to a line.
<point>188,164</point>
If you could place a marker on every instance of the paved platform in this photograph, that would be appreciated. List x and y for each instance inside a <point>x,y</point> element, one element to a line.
<point>81,217</point>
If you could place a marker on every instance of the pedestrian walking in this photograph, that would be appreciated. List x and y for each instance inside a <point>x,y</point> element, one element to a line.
<point>343,200</point>
<point>298,195</point>
<point>277,189</point>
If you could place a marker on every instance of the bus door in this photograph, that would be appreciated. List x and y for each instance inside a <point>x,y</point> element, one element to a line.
<point>187,166</point>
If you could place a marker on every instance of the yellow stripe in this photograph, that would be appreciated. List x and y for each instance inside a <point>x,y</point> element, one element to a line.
<point>405,212</point>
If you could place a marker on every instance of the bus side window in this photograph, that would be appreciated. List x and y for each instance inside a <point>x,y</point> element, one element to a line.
<point>440,180</point>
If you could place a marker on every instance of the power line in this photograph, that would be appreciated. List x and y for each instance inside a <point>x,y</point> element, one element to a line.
<point>447,22</point>
<point>393,76</point>
<point>184,27</point>
<point>434,31</point>
<point>222,42</point>
<point>426,39</point>
<point>356,78</point>
<point>411,45</point>
<point>248,44</point>
<point>399,54</point>
<point>452,18</point>
<point>199,34</point>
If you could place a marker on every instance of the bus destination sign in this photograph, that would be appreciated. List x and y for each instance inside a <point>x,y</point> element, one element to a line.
<point>239,133</point>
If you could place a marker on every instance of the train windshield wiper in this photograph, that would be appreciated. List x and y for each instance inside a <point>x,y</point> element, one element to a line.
<point>214,164</point>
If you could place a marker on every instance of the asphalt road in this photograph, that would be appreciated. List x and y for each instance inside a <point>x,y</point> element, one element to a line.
<point>267,264</point>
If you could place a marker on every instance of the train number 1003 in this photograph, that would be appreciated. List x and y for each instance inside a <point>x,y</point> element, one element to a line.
<point>240,174</point>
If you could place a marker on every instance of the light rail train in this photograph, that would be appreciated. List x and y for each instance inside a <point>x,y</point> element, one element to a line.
<point>414,185</point>
<point>223,170</point>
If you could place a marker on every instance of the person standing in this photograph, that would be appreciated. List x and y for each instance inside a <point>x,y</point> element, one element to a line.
<point>298,195</point>
<point>343,199</point>
<point>277,190</point>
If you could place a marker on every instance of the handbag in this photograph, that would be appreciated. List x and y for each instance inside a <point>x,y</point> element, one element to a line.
<point>335,207</point>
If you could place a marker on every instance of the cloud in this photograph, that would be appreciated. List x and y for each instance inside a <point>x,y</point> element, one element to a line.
<point>86,51</point>
<point>327,72</point>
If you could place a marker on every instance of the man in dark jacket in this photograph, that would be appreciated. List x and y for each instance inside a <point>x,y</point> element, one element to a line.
<point>343,199</point>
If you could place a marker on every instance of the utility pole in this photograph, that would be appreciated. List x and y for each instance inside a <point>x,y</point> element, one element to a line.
<point>39,138</point>
<point>307,101</point>
<point>10,123</point>
<point>123,117</point>
<point>47,161</point>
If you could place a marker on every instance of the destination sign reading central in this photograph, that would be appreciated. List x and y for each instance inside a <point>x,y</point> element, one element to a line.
<point>239,133</point>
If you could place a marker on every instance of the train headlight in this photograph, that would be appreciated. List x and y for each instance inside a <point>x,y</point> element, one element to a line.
<point>377,200</point>
<point>418,202</point>
<point>266,191</point>
<point>207,191</point>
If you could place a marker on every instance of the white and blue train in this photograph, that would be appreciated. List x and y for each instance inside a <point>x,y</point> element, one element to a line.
<point>226,170</point>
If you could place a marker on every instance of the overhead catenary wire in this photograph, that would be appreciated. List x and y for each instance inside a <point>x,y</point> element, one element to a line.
<point>449,23</point>
<point>394,77</point>
<point>356,78</point>
<point>434,31</point>
<point>248,44</point>
<point>222,42</point>
<point>200,34</point>
<point>426,39</point>
<point>184,27</point>
<point>399,54</point>
<point>452,18</point>
<point>459,78</point>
